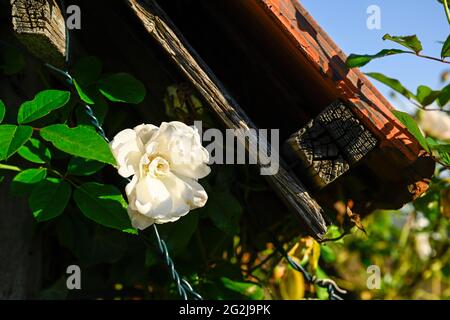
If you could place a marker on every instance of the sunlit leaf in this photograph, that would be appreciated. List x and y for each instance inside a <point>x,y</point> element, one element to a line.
<point>392,83</point>
<point>43,103</point>
<point>410,42</point>
<point>35,151</point>
<point>12,138</point>
<point>426,95</point>
<point>356,60</point>
<point>446,48</point>
<point>412,127</point>
<point>80,141</point>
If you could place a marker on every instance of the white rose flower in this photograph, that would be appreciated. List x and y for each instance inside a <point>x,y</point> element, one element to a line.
<point>165,164</point>
<point>435,124</point>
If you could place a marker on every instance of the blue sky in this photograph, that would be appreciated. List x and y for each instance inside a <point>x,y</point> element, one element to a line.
<point>345,22</point>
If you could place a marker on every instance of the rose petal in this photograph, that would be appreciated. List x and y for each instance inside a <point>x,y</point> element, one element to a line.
<point>138,220</point>
<point>152,197</point>
<point>126,151</point>
<point>145,132</point>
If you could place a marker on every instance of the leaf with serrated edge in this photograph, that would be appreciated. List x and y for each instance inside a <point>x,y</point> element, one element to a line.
<point>80,141</point>
<point>12,138</point>
<point>43,103</point>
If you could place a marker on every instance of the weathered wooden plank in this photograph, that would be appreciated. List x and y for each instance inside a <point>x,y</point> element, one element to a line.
<point>40,26</point>
<point>290,189</point>
<point>309,45</point>
<point>329,145</point>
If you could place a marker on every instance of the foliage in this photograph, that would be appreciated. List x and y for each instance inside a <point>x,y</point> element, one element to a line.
<point>411,245</point>
<point>227,249</point>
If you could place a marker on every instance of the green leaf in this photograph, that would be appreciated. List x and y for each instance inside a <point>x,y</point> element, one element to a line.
<point>446,48</point>
<point>178,234</point>
<point>2,111</point>
<point>12,138</point>
<point>444,157</point>
<point>25,181</point>
<point>225,218</point>
<point>356,60</point>
<point>247,289</point>
<point>82,92</point>
<point>87,70</point>
<point>334,232</point>
<point>444,96</point>
<point>103,204</point>
<point>79,141</point>
<point>49,199</point>
<point>322,293</point>
<point>392,83</point>
<point>43,103</point>
<point>410,42</point>
<point>440,147</point>
<point>35,151</point>
<point>83,167</point>
<point>412,127</point>
<point>327,254</point>
<point>426,96</point>
<point>11,60</point>
<point>122,87</point>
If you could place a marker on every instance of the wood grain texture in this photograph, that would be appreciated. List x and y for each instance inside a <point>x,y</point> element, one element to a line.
<point>299,34</point>
<point>289,188</point>
<point>329,145</point>
<point>40,26</point>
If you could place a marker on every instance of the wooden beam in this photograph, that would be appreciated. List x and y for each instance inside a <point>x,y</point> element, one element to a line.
<point>289,188</point>
<point>303,37</point>
<point>40,26</point>
<point>329,145</point>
